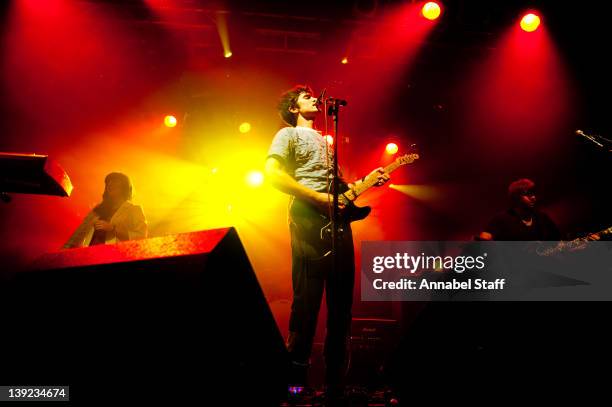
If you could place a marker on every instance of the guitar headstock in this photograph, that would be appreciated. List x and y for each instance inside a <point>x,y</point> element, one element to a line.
<point>407,158</point>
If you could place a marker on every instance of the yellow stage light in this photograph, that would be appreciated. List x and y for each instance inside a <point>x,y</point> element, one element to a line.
<point>170,121</point>
<point>391,148</point>
<point>255,178</point>
<point>530,22</point>
<point>431,10</point>
<point>244,127</point>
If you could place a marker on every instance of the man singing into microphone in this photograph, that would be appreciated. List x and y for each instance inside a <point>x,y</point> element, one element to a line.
<point>299,163</point>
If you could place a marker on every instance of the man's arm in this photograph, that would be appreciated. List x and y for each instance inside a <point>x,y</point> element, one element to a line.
<point>138,224</point>
<point>484,236</point>
<point>276,175</point>
<point>494,229</point>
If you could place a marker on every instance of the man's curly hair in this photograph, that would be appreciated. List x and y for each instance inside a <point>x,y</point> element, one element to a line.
<point>518,188</point>
<point>288,100</point>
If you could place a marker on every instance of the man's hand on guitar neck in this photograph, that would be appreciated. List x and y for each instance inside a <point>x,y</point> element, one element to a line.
<point>381,175</point>
<point>581,243</point>
<point>379,172</point>
<point>355,188</point>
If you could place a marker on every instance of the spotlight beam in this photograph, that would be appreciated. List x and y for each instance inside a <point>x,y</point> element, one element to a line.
<point>221,20</point>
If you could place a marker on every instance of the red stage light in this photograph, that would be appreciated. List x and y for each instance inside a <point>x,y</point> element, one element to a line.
<point>170,121</point>
<point>391,148</point>
<point>530,22</point>
<point>431,10</point>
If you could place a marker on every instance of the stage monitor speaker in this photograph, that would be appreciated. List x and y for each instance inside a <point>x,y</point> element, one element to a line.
<point>371,342</point>
<point>161,318</point>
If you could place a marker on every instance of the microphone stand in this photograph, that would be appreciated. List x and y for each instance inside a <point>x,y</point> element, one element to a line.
<point>336,229</point>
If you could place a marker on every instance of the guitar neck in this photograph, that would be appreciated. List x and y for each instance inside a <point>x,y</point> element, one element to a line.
<point>604,232</point>
<point>598,234</point>
<point>576,242</point>
<point>371,180</point>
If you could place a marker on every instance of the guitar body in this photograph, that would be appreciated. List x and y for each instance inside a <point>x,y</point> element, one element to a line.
<point>314,229</point>
<point>352,212</point>
<point>313,224</point>
<point>318,225</point>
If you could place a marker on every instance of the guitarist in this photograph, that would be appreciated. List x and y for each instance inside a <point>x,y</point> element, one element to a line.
<point>299,163</point>
<point>522,221</point>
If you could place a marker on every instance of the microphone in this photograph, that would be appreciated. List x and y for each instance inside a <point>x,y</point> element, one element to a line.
<point>321,96</point>
<point>340,102</point>
<point>594,139</point>
<point>580,133</point>
<point>322,99</point>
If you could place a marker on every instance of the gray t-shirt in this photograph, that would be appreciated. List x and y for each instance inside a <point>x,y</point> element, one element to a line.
<point>306,155</point>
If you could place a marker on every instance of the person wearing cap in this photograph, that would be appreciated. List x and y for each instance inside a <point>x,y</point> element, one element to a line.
<point>522,221</point>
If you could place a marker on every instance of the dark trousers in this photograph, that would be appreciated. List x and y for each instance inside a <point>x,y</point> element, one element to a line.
<point>312,274</point>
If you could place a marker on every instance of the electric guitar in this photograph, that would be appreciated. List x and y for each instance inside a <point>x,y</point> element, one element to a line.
<point>572,244</point>
<point>347,196</point>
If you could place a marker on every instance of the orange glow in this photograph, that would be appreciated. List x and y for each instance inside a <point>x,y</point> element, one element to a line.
<point>431,10</point>
<point>245,127</point>
<point>391,148</point>
<point>344,60</point>
<point>530,22</point>
<point>170,121</point>
<point>330,140</point>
